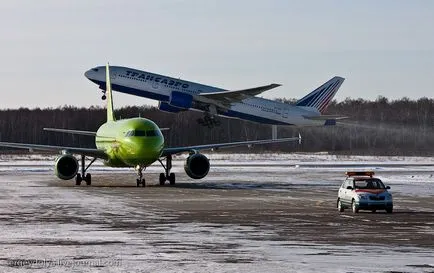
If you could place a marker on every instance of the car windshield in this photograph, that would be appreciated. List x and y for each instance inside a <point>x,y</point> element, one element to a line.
<point>370,183</point>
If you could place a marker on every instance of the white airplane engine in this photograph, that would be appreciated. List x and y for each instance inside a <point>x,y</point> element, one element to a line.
<point>196,166</point>
<point>66,167</point>
<point>181,100</point>
<point>164,106</point>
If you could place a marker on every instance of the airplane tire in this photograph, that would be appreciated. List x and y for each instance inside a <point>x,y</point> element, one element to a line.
<point>78,180</point>
<point>88,179</point>
<point>162,179</point>
<point>172,179</point>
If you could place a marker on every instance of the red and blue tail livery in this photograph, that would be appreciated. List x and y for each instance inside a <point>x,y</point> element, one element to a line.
<point>321,97</point>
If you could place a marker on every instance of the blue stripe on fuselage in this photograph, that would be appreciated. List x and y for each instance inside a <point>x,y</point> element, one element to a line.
<point>159,97</point>
<point>240,115</point>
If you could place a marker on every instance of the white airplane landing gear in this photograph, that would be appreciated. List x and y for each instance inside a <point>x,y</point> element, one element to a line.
<point>103,97</point>
<point>209,121</point>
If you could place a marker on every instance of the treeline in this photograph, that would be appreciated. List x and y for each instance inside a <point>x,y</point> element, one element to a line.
<point>380,127</point>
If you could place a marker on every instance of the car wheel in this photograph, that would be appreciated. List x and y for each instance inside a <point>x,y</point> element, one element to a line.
<point>389,210</point>
<point>354,207</point>
<point>340,207</point>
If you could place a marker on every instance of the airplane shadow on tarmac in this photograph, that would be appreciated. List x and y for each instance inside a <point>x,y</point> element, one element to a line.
<point>248,185</point>
<point>210,185</point>
<point>234,186</point>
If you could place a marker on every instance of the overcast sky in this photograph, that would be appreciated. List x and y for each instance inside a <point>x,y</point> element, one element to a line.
<point>381,47</point>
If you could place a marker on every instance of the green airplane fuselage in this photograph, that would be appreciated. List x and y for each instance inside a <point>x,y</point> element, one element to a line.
<point>130,142</point>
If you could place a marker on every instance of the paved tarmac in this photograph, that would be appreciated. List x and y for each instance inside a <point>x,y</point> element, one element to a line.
<point>238,219</point>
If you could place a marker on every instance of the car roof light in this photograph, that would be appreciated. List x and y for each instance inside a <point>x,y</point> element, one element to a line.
<point>365,173</point>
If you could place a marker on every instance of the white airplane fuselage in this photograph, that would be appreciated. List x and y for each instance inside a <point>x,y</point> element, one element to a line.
<point>160,87</point>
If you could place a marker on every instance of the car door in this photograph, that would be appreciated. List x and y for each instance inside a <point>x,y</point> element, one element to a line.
<point>341,190</point>
<point>347,192</point>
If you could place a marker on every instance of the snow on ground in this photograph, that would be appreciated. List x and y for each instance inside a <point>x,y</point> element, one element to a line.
<point>395,171</point>
<point>58,229</point>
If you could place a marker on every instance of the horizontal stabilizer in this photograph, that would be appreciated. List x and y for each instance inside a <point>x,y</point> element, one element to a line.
<point>68,131</point>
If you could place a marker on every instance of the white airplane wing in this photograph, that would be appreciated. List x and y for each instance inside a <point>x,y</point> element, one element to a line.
<point>228,97</point>
<point>177,150</point>
<point>74,150</point>
<point>326,117</point>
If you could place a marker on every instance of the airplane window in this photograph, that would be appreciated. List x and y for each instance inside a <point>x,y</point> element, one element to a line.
<point>139,133</point>
<point>151,133</point>
<point>95,69</point>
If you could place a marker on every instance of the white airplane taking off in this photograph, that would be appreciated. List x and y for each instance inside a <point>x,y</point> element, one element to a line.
<point>176,95</point>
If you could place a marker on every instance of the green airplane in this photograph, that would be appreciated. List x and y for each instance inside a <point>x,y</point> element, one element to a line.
<point>134,142</point>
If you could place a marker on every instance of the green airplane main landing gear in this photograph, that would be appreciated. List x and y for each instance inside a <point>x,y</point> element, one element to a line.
<point>167,175</point>
<point>83,176</point>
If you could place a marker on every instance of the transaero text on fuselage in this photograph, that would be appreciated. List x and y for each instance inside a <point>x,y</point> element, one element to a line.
<point>162,80</point>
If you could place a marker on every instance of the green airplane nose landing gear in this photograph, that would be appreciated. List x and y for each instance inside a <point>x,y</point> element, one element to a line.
<point>140,180</point>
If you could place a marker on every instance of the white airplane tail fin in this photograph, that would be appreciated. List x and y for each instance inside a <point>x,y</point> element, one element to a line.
<point>321,97</point>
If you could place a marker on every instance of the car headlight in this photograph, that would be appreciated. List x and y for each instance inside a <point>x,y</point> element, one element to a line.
<point>362,197</point>
<point>388,197</point>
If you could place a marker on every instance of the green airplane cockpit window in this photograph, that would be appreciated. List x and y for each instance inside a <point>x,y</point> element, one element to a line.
<point>152,133</point>
<point>141,133</point>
